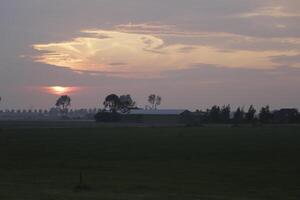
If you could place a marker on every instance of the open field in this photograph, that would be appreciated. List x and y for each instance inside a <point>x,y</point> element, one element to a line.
<point>210,163</point>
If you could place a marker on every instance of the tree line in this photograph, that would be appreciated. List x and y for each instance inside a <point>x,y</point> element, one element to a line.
<point>113,105</point>
<point>225,115</point>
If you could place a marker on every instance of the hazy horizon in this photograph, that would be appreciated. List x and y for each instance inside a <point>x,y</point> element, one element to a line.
<point>194,53</point>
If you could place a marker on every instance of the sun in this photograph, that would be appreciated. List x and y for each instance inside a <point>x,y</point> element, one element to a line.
<point>60,90</point>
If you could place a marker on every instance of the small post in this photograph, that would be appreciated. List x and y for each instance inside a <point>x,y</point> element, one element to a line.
<point>81,186</point>
<point>80,178</point>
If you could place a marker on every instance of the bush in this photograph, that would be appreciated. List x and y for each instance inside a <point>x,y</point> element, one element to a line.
<point>104,116</point>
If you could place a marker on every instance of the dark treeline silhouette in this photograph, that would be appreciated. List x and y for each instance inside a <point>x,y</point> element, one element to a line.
<point>123,103</point>
<point>115,105</point>
<point>224,115</point>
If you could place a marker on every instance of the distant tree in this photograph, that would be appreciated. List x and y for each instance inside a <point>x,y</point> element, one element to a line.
<point>250,115</point>
<point>154,100</point>
<point>238,116</point>
<point>225,114</point>
<point>158,101</point>
<point>265,115</point>
<point>214,114</point>
<point>151,100</point>
<point>112,102</point>
<point>126,103</point>
<point>63,103</point>
<point>298,118</point>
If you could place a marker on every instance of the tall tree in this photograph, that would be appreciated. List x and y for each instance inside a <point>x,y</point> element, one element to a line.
<point>158,101</point>
<point>112,102</point>
<point>63,103</point>
<point>250,115</point>
<point>126,103</point>
<point>239,115</point>
<point>265,115</point>
<point>154,100</point>
<point>225,114</point>
<point>151,100</point>
<point>214,114</point>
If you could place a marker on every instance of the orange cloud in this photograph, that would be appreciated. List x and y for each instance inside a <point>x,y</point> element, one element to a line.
<point>127,53</point>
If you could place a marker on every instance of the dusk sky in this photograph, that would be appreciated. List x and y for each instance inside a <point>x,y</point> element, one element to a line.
<point>193,53</point>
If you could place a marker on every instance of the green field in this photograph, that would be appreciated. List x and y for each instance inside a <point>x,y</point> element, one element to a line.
<point>210,163</point>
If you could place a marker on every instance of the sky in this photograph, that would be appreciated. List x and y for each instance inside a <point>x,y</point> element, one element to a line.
<point>193,53</point>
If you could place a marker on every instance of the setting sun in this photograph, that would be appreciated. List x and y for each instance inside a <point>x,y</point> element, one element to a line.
<point>59,90</point>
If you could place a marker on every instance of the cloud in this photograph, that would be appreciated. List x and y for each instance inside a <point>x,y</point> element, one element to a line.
<point>218,39</point>
<point>117,64</point>
<point>293,61</point>
<point>272,11</point>
<point>133,54</point>
<point>144,26</point>
<point>281,26</point>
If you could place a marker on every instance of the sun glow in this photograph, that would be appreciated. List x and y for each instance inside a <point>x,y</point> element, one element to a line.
<point>59,90</point>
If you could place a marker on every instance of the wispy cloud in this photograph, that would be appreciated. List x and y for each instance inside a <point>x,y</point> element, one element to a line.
<point>145,26</point>
<point>293,61</point>
<point>280,26</point>
<point>226,41</point>
<point>272,11</point>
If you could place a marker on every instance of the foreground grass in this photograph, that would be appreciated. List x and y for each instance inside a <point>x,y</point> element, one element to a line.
<point>151,163</point>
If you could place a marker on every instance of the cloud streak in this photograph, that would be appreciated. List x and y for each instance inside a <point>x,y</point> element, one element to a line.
<point>272,11</point>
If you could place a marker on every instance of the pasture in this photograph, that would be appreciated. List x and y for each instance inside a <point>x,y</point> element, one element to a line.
<point>128,163</point>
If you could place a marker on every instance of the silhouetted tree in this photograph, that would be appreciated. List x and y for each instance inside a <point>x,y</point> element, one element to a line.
<point>250,115</point>
<point>158,101</point>
<point>112,102</point>
<point>126,103</point>
<point>151,100</point>
<point>214,114</point>
<point>225,114</point>
<point>265,115</point>
<point>238,116</point>
<point>154,100</point>
<point>63,103</point>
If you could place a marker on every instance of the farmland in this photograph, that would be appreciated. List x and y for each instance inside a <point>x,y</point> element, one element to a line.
<point>213,162</point>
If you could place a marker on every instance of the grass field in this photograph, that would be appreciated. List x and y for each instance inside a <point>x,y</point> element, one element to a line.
<point>209,163</point>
